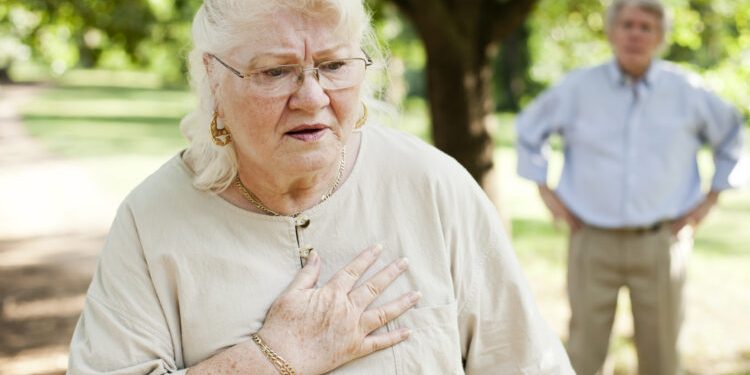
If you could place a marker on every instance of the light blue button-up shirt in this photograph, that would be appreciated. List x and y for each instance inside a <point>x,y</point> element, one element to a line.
<point>630,147</point>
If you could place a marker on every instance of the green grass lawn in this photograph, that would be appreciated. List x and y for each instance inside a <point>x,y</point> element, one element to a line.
<point>81,122</point>
<point>101,125</point>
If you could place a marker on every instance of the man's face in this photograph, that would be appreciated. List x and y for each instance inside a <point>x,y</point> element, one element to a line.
<point>635,37</point>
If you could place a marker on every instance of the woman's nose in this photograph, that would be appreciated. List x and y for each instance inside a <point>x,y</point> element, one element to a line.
<point>310,96</point>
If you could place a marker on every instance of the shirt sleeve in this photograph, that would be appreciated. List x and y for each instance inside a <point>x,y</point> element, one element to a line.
<point>722,131</point>
<point>500,327</point>
<point>122,329</point>
<point>543,117</point>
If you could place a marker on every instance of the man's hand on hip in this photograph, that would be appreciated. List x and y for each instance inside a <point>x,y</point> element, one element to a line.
<point>558,209</point>
<point>697,214</point>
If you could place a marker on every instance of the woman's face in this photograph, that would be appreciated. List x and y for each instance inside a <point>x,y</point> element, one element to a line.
<point>303,131</point>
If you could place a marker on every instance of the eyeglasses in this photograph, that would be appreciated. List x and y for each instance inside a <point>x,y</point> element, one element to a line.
<point>282,80</point>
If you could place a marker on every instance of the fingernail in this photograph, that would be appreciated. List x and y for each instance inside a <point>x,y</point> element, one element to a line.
<point>415,296</point>
<point>403,263</point>
<point>313,257</point>
<point>377,249</point>
<point>405,333</point>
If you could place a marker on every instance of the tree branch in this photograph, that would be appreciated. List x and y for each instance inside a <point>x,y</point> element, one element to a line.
<point>406,6</point>
<point>439,25</point>
<point>514,13</point>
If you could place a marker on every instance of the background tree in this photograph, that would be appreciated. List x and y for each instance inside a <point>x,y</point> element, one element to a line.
<point>467,59</point>
<point>512,71</point>
<point>130,34</point>
<point>461,40</point>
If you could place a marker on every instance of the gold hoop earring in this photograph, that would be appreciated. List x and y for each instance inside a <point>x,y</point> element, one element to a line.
<point>221,137</point>
<point>361,122</point>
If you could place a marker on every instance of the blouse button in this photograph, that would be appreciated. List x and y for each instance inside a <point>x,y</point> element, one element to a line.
<point>304,252</point>
<point>302,221</point>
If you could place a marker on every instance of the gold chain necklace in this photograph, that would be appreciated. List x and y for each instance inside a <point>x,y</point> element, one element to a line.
<point>257,203</point>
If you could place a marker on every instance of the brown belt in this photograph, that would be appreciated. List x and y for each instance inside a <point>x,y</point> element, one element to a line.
<point>635,230</point>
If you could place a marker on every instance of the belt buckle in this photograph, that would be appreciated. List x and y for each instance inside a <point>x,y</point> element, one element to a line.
<point>650,228</point>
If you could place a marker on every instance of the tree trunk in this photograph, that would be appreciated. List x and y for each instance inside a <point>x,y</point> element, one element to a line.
<point>512,71</point>
<point>4,74</point>
<point>461,39</point>
<point>459,94</point>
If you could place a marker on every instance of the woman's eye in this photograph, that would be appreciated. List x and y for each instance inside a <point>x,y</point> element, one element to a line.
<point>277,72</point>
<point>332,65</point>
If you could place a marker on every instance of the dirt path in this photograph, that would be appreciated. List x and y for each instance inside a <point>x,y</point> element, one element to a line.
<point>47,232</point>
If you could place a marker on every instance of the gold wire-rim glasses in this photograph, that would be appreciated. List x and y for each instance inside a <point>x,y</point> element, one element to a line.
<point>299,71</point>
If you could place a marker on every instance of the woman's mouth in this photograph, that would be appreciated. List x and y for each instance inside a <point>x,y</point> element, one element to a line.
<point>307,133</point>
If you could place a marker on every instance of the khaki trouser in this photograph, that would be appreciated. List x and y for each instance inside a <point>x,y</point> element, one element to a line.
<point>651,264</point>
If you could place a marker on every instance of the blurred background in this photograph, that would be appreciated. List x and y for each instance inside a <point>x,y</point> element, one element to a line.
<point>92,92</point>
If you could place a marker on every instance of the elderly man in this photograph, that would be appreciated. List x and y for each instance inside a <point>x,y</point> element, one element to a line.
<point>630,189</point>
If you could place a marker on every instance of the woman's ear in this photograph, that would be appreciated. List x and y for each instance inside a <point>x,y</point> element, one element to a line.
<point>213,81</point>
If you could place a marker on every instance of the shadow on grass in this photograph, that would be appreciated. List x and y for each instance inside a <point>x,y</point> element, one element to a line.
<point>87,137</point>
<point>41,297</point>
<point>86,121</point>
<point>109,92</point>
<point>150,120</point>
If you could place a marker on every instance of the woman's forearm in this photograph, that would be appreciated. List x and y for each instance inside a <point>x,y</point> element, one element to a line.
<point>243,358</point>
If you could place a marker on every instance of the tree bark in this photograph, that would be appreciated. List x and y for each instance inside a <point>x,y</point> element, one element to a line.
<point>512,71</point>
<point>461,39</point>
<point>458,91</point>
<point>4,74</point>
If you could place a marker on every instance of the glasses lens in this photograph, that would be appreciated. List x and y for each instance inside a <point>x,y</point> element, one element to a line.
<point>285,79</point>
<point>341,74</point>
<point>277,80</point>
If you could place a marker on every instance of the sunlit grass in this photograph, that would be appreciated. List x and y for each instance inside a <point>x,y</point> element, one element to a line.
<point>103,121</point>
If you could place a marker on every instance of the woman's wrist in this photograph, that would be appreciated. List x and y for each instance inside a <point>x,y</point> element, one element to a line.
<point>244,357</point>
<point>281,364</point>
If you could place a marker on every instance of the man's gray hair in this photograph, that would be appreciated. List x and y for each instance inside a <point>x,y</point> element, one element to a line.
<point>654,7</point>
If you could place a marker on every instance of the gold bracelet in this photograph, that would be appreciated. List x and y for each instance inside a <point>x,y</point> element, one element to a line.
<point>283,366</point>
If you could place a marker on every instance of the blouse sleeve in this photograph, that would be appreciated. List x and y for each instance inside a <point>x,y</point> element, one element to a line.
<point>122,329</point>
<point>501,329</point>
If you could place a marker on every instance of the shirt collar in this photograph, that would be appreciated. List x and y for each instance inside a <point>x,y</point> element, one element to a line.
<point>618,77</point>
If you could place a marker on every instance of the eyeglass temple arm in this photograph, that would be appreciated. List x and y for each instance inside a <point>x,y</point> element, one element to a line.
<point>233,70</point>
<point>368,62</point>
<point>368,59</point>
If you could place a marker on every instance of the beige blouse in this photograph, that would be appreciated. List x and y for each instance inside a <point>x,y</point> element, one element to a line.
<point>185,274</point>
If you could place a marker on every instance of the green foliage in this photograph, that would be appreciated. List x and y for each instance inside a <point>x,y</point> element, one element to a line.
<point>407,56</point>
<point>566,35</point>
<point>512,80</point>
<point>113,34</point>
<point>711,37</point>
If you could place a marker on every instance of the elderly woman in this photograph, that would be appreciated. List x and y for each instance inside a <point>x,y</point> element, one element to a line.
<point>242,254</point>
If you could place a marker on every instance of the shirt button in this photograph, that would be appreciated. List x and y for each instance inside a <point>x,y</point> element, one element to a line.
<point>302,221</point>
<point>304,252</point>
